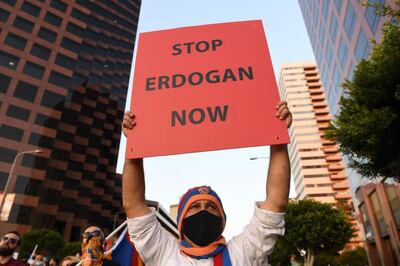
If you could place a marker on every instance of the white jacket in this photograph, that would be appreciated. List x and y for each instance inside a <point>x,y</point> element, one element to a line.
<point>157,247</point>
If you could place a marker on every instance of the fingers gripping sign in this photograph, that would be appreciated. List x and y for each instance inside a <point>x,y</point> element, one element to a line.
<point>128,123</point>
<point>283,113</point>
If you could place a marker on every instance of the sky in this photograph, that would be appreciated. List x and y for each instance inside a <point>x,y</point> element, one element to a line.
<point>238,180</point>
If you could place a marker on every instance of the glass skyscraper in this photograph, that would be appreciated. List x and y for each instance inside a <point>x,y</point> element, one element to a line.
<point>64,72</point>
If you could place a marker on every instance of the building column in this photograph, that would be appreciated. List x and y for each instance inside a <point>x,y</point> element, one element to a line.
<point>389,220</point>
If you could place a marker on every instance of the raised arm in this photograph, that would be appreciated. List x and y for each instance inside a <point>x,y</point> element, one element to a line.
<point>278,181</point>
<point>133,185</point>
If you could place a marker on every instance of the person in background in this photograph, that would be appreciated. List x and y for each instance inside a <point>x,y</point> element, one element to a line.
<point>38,261</point>
<point>70,261</point>
<point>92,248</point>
<point>54,262</point>
<point>9,243</point>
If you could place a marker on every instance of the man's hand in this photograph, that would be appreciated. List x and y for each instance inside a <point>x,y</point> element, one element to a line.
<point>283,113</point>
<point>278,180</point>
<point>128,123</point>
<point>133,185</point>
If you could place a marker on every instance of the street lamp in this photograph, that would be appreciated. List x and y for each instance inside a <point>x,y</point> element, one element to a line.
<point>10,175</point>
<point>256,158</point>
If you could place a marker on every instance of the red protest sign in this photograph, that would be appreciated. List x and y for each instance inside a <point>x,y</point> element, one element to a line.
<point>204,88</point>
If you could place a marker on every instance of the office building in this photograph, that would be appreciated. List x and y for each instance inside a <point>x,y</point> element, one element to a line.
<point>317,166</point>
<point>64,72</point>
<point>340,32</point>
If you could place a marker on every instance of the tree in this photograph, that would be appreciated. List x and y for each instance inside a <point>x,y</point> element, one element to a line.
<point>356,257</point>
<point>368,126</point>
<point>70,249</point>
<point>315,228</point>
<point>49,242</point>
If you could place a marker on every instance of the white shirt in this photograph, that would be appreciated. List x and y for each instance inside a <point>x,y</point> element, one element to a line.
<point>252,247</point>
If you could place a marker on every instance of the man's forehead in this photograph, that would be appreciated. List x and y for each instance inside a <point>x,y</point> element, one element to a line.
<point>204,201</point>
<point>92,229</point>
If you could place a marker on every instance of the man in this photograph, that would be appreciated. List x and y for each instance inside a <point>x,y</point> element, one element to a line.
<point>8,245</point>
<point>201,218</point>
<point>92,248</point>
<point>39,260</point>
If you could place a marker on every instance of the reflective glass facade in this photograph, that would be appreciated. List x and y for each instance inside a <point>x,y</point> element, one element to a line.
<point>65,69</point>
<point>340,32</point>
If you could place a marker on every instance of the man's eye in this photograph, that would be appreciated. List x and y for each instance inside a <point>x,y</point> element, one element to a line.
<point>212,207</point>
<point>194,206</point>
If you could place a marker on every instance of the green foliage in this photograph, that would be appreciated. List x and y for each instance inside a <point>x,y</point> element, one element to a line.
<point>315,227</point>
<point>49,242</point>
<point>368,126</point>
<point>281,254</point>
<point>70,249</point>
<point>356,257</point>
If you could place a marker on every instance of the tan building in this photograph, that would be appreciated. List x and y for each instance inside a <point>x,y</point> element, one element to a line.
<point>317,166</point>
<point>173,211</point>
<point>379,213</point>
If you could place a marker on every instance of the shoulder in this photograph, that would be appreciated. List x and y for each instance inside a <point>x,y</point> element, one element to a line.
<point>14,262</point>
<point>110,263</point>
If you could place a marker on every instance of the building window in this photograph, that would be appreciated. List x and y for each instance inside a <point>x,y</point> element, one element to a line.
<point>379,214</point>
<point>394,202</point>
<point>342,53</point>
<point>53,19</point>
<point>338,4</point>
<point>40,51</point>
<point>371,17</point>
<point>329,54</point>
<point>10,132</point>
<point>46,121</point>
<point>32,161</point>
<point>70,45</point>
<point>74,29</point>
<point>7,155</point>
<point>23,24</point>
<point>4,83</point>
<point>33,70</point>
<point>350,20</point>
<point>9,2</point>
<point>51,99</point>
<point>30,9</point>
<point>57,4</point>
<point>60,80</point>
<point>41,141</point>
<point>369,234</point>
<point>18,112</point>
<point>362,46</point>
<point>27,185</point>
<point>65,61</point>
<point>350,75</point>
<point>316,16</point>
<point>15,41</point>
<point>322,33</point>
<point>325,7</point>
<point>333,28</point>
<point>8,60</point>
<point>337,78</point>
<point>79,15</point>
<point>4,14</point>
<point>25,91</point>
<point>47,35</point>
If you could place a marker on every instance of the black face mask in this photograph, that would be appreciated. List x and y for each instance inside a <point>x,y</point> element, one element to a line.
<point>202,228</point>
<point>5,252</point>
